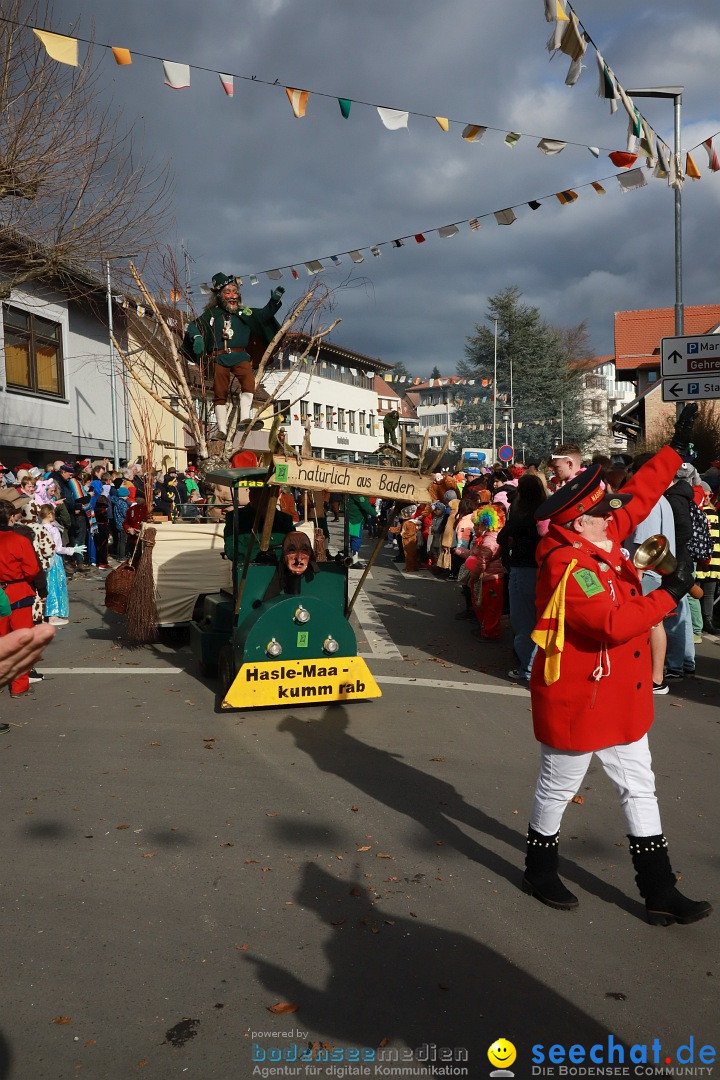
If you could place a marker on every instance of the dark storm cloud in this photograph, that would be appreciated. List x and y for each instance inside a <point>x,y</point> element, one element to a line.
<point>256,188</point>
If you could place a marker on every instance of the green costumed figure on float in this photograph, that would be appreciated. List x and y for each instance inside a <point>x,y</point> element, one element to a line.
<point>233,338</point>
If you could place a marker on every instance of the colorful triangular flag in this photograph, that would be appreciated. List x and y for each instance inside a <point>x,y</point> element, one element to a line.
<point>473,132</point>
<point>177,76</point>
<point>691,168</point>
<point>58,47</point>
<point>344,104</point>
<point>122,56</point>
<point>505,217</point>
<point>712,156</point>
<point>598,187</point>
<point>314,266</point>
<point>419,238</point>
<point>298,100</point>
<point>393,119</point>
<point>474,224</point>
<point>551,146</point>
<point>228,84</point>
<point>513,138</point>
<point>443,122</point>
<point>448,230</point>
<point>566,197</point>
<point>274,275</point>
<point>356,256</point>
<point>374,250</point>
<point>608,84</point>
<point>294,272</point>
<point>632,180</point>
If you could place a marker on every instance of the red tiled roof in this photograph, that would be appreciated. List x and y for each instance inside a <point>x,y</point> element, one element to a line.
<point>638,333</point>
<point>384,388</point>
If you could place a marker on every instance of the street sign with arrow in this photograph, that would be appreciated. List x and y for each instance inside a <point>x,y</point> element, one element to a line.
<point>691,355</point>
<point>692,388</point>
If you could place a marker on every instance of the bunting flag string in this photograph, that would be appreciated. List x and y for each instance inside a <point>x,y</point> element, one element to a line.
<point>627,181</point>
<point>177,76</point>
<point>570,37</point>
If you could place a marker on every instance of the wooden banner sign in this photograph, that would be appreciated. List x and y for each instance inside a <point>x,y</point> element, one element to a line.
<point>338,476</point>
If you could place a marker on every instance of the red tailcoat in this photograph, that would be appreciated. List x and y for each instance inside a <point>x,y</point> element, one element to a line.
<point>18,565</point>
<point>607,628</point>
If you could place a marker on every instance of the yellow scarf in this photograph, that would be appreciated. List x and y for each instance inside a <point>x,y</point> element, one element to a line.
<point>549,634</point>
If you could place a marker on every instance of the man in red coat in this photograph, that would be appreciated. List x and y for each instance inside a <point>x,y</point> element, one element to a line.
<point>19,569</point>
<point>591,681</point>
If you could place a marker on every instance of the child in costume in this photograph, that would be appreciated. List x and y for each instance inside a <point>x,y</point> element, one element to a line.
<point>486,570</point>
<point>57,605</point>
<point>409,537</point>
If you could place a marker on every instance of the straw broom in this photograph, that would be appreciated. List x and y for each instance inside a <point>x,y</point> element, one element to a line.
<point>141,614</point>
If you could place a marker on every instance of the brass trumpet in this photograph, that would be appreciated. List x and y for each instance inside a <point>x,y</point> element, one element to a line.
<point>655,554</point>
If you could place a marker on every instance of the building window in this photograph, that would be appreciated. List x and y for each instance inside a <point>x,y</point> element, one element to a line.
<point>371,424</point>
<point>329,417</point>
<point>351,421</point>
<point>596,408</point>
<point>341,420</point>
<point>284,410</point>
<point>317,414</point>
<point>304,408</point>
<point>362,422</point>
<point>33,352</point>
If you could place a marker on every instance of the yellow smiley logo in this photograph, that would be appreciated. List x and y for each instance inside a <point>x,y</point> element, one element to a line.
<point>502,1054</point>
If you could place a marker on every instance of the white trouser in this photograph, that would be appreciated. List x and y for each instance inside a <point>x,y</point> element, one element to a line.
<point>246,400</point>
<point>629,767</point>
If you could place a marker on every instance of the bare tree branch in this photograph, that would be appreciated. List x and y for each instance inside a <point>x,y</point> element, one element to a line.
<point>75,190</point>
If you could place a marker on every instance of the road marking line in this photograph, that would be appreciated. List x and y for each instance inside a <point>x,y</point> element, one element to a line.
<point>442,684</point>
<point>381,644</point>
<point>390,680</point>
<point>121,669</point>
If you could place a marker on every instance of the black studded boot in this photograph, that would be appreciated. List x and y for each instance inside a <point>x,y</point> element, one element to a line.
<point>664,904</point>
<point>541,877</point>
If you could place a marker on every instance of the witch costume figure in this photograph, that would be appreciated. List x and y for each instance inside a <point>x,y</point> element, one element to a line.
<point>233,338</point>
<point>297,564</point>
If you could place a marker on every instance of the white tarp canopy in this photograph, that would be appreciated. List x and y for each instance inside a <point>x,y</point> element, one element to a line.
<point>187,563</point>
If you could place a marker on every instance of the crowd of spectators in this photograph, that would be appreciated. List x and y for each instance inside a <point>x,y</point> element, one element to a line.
<point>72,517</point>
<point>480,530</point>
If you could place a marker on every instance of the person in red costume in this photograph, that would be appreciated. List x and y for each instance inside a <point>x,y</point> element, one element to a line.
<point>19,568</point>
<point>591,681</point>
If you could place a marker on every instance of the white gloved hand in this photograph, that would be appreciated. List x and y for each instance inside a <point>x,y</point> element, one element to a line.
<point>80,549</point>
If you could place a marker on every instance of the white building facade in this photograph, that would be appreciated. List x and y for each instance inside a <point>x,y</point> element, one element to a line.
<point>336,395</point>
<point>55,387</point>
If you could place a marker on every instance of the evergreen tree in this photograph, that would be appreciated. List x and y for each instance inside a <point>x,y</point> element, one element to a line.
<point>435,373</point>
<point>399,370</point>
<point>546,379</point>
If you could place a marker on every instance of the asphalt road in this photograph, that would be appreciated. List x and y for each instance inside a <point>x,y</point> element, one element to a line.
<point>170,872</point>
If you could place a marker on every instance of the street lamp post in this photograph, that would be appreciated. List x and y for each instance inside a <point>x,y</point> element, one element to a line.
<point>506,419</point>
<point>676,93</point>
<point>494,433</point>
<point>113,397</point>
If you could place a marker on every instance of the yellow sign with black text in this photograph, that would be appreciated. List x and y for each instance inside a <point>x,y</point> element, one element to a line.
<point>301,682</point>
